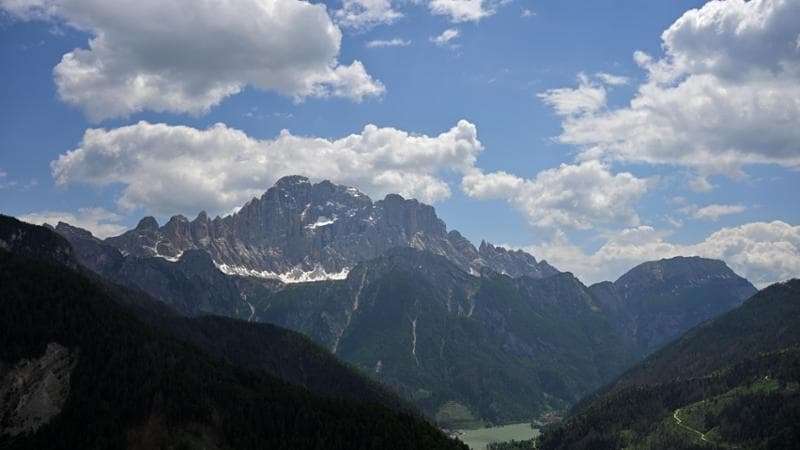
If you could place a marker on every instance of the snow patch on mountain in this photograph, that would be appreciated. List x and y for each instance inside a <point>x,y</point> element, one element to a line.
<point>169,258</point>
<point>295,275</point>
<point>321,222</point>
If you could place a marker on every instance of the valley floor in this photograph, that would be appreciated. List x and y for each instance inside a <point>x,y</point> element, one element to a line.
<point>479,438</point>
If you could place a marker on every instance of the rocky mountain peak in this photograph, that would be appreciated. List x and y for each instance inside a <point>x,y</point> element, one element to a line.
<point>316,230</point>
<point>412,215</point>
<point>515,263</point>
<point>680,269</point>
<point>292,181</point>
<point>463,245</point>
<point>63,229</point>
<point>148,223</point>
<point>35,241</point>
<point>657,300</point>
<point>202,216</point>
<point>177,219</point>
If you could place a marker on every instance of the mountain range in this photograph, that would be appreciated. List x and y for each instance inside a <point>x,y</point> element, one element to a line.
<point>470,335</point>
<point>299,231</point>
<point>90,364</point>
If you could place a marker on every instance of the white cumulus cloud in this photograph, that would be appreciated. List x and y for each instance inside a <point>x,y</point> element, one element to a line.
<point>463,10</point>
<point>165,169</point>
<point>578,196</point>
<point>726,94</point>
<point>588,97</point>
<point>186,56</point>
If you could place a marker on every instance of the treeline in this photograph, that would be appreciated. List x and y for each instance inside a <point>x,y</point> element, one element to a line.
<point>512,445</point>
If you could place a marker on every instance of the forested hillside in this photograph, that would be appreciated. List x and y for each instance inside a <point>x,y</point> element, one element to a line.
<point>124,383</point>
<point>730,382</point>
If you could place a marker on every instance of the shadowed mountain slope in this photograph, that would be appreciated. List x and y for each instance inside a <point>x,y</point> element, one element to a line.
<point>130,384</point>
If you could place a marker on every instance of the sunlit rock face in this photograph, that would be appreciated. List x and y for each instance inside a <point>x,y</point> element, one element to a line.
<point>299,231</point>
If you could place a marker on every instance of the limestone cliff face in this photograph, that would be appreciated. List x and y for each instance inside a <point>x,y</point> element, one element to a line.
<point>33,391</point>
<point>301,231</point>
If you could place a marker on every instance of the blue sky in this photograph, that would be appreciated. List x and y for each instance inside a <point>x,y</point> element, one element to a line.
<point>699,184</point>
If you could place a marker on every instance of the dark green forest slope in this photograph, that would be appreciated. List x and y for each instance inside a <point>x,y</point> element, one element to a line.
<point>129,384</point>
<point>728,383</point>
<point>461,347</point>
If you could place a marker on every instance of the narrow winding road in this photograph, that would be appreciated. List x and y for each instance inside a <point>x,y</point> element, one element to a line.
<point>680,423</point>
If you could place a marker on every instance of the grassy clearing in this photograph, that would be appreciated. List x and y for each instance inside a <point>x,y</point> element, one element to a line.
<point>479,438</point>
<point>455,416</point>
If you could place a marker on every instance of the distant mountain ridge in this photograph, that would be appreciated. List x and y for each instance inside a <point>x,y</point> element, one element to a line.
<point>299,231</point>
<point>658,300</point>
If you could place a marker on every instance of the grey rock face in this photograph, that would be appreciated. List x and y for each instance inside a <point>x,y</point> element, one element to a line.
<point>35,242</point>
<point>514,263</point>
<point>90,251</point>
<point>192,283</point>
<point>303,231</point>
<point>33,391</point>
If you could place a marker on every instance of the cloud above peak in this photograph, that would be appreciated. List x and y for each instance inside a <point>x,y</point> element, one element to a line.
<point>155,55</point>
<point>580,196</point>
<point>164,169</point>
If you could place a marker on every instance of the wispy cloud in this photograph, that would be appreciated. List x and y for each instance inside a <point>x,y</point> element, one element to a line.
<point>713,211</point>
<point>446,38</point>
<point>383,43</point>
<point>613,80</point>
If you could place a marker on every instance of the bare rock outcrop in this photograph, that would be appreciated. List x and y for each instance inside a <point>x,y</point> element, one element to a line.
<point>33,391</point>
